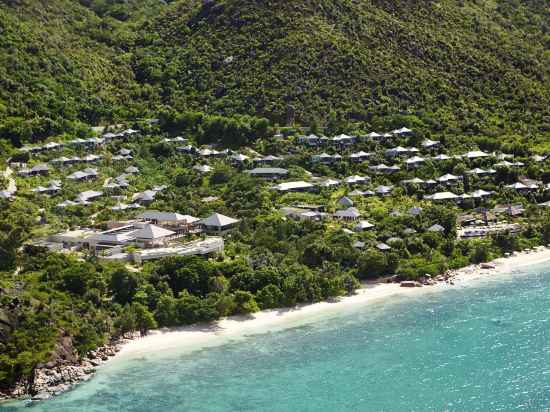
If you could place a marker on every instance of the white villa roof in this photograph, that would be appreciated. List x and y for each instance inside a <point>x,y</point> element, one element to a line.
<point>442,196</point>
<point>383,246</point>
<point>345,201</point>
<point>88,194</point>
<point>124,206</point>
<point>447,177</point>
<point>293,185</point>
<point>430,143</point>
<point>153,232</point>
<point>161,216</point>
<point>356,179</point>
<point>415,159</point>
<point>205,152</point>
<point>267,170</point>
<point>218,220</point>
<point>415,180</point>
<point>167,216</point>
<point>398,149</point>
<point>383,189</point>
<point>517,186</point>
<point>271,158</point>
<point>81,174</point>
<point>477,171</point>
<point>61,159</point>
<point>329,182</point>
<point>239,157</point>
<point>481,193</point>
<point>146,195</point>
<point>475,154</point>
<point>203,168</point>
<point>381,166</point>
<point>363,225</point>
<point>359,154</point>
<point>91,157</point>
<point>342,137</point>
<point>401,131</point>
<point>415,210</point>
<point>349,212</point>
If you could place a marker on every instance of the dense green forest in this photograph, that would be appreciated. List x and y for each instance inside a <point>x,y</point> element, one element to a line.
<point>471,66</point>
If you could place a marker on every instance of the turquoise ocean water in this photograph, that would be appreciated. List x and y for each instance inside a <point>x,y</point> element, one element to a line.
<point>480,347</point>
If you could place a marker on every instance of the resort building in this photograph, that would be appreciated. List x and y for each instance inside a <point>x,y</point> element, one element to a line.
<point>218,223</point>
<point>299,186</point>
<point>269,173</point>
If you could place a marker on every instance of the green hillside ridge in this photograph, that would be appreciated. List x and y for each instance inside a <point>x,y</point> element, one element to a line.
<point>479,67</point>
<point>465,65</point>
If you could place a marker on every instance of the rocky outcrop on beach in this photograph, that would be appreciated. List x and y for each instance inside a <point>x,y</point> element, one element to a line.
<point>64,370</point>
<point>56,377</point>
<point>449,277</point>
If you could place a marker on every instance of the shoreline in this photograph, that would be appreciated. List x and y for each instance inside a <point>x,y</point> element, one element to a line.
<point>200,336</point>
<point>195,337</point>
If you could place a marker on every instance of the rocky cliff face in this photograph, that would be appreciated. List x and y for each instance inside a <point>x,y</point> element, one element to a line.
<point>64,370</point>
<point>67,369</point>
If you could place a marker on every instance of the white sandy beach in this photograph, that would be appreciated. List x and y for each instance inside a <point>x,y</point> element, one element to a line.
<point>238,327</point>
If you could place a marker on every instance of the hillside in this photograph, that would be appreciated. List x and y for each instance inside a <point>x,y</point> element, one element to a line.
<point>60,62</point>
<point>478,67</point>
<point>459,62</point>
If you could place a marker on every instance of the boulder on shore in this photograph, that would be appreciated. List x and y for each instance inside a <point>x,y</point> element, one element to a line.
<point>410,284</point>
<point>42,396</point>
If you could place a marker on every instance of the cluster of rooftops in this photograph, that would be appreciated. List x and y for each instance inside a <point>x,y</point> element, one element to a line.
<point>92,141</point>
<point>145,228</point>
<point>344,139</point>
<point>148,230</point>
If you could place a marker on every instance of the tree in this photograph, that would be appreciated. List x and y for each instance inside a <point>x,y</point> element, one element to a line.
<point>162,150</point>
<point>245,302</point>
<point>126,322</point>
<point>165,313</point>
<point>191,273</point>
<point>75,278</point>
<point>124,285</point>
<point>372,264</point>
<point>270,297</point>
<point>506,242</point>
<point>350,284</point>
<point>480,253</point>
<point>546,233</point>
<point>316,253</point>
<point>144,320</point>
